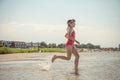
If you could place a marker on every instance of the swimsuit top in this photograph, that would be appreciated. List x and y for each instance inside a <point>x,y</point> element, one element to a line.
<point>71,42</point>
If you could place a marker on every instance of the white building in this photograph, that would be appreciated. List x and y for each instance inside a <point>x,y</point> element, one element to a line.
<point>14,44</point>
<point>19,44</point>
<point>33,45</point>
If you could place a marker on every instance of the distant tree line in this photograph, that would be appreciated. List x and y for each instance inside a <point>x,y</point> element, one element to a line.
<point>54,45</point>
<point>51,45</point>
<point>62,45</point>
<point>89,46</point>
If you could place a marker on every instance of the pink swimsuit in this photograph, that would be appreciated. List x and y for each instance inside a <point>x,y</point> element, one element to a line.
<point>70,42</point>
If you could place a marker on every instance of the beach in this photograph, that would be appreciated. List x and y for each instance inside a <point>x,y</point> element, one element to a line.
<point>37,66</point>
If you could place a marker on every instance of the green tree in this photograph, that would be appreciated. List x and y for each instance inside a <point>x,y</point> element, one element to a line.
<point>83,46</point>
<point>90,46</point>
<point>97,47</point>
<point>43,44</point>
<point>61,45</point>
<point>1,44</point>
<point>52,45</point>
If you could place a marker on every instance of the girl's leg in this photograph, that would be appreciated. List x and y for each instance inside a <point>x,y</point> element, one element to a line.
<point>69,52</point>
<point>75,53</point>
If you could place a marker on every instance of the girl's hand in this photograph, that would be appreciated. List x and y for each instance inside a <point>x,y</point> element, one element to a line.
<point>66,35</point>
<point>78,42</point>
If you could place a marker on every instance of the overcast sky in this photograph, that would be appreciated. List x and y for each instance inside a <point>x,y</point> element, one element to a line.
<point>97,21</point>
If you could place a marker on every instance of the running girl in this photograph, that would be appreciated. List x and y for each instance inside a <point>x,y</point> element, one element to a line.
<point>71,49</point>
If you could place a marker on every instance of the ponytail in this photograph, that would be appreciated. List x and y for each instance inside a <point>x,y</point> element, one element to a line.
<point>68,27</point>
<point>71,20</point>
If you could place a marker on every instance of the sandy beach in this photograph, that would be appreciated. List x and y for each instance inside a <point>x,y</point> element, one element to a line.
<point>36,66</point>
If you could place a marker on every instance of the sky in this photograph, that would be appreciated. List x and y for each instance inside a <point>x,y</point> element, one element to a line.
<point>97,21</point>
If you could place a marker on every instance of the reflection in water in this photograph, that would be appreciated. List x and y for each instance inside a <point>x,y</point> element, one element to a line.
<point>62,76</point>
<point>72,77</point>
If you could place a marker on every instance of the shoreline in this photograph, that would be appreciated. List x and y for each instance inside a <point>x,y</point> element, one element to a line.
<point>26,56</point>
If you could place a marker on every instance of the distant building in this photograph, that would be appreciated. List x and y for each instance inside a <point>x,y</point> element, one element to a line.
<point>19,44</point>
<point>33,45</point>
<point>13,44</point>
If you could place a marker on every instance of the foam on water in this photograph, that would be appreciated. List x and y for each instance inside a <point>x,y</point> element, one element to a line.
<point>46,66</point>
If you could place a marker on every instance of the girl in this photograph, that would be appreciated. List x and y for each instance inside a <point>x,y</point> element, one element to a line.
<point>71,49</point>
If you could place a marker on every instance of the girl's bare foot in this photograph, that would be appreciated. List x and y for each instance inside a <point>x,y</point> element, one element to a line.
<point>53,58</point>
<point>76,71</point>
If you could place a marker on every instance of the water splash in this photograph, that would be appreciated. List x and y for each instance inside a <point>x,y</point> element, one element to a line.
<point>46,66</point>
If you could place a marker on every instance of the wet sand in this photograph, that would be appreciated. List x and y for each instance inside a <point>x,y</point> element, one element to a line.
<point>35,66</point>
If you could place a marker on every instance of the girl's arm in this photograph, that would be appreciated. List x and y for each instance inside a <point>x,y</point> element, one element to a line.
<point>68,35</point>
<point>73,39</point>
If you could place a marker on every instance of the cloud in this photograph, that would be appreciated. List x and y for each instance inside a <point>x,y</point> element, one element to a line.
<point>104,36</point>
<point>31,32</point>
<point>55,33</point>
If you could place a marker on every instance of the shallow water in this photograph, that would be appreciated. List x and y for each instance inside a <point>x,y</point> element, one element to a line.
<point>92,66</point>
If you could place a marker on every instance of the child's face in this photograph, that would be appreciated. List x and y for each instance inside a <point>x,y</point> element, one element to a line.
<point>72,24</point>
